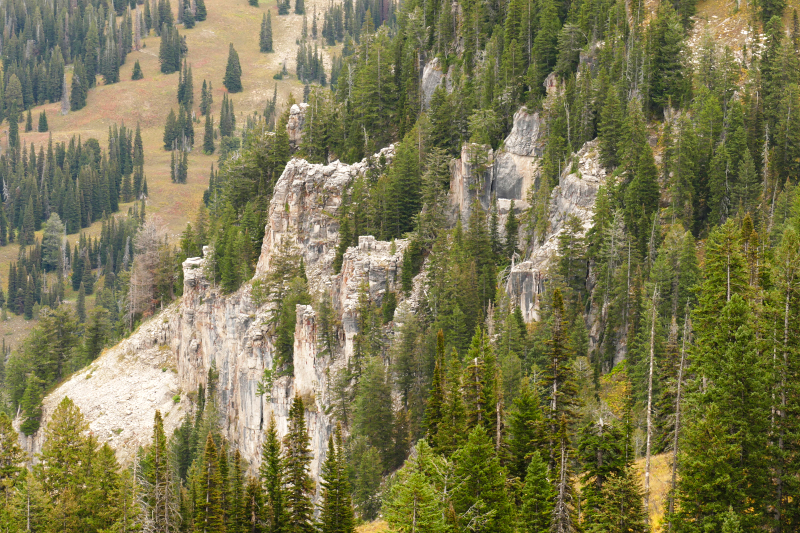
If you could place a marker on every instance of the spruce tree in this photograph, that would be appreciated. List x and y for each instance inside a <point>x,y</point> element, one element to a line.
<point>209,513</point>
<point>298,482</point>
<point>170,130</point>
<point>299,7</point>
<point>524,431</point>
<point>481,482</point>
<point>271,473</point>
<point>208,137</point>
<point>436,398</point>
<point>160,500</point>
<point>537,497</point>
<point>13,127</point>
<point>336,514</point>
<point>233,72</point>
<point>43,122</point>
<point>265,37</point>
<point>28,122</point>
<point>200,10</point>
<point>137,71</point>
<point>81,305</point>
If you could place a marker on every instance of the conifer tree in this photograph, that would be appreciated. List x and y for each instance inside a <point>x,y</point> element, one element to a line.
<point>271,473</point>
<point>81,305</point>
<point>28,122</point>
<point>436,398</point>
<point>233,72</point>
<point>200,10</point>
<point>299,7</point>
<point>265,37</point>
<point>299,485</point>
<point>559,380</point>
<point>160,500</point>
<point>137,71</point>
<point>480,493</point>
<point>208,499</point>
<point>336,515</point>
<point>170,130</point>
<point>728,417</point>
<point>524,430</point>
<point>13,127</point>
<point>537,497</point>
<point>208,136</point>
<point>43,122</point>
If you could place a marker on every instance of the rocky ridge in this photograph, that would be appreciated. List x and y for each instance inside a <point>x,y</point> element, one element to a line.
<point>170,355</point>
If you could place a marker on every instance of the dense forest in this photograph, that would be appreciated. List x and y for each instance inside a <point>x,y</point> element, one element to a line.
<point>465,418</point>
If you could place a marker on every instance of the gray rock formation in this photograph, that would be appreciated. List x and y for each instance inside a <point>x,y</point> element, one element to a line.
<point>575,195</point>
<point>432,76</point>
<point>506,174</point>
<point>172,353</point>
<point>297,119</point>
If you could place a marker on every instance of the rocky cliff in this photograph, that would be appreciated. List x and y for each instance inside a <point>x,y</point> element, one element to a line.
<point>162,364</point>
<point>574,195</point>
<point>507,174</point>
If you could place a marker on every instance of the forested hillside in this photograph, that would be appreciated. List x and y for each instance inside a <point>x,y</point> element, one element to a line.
<point>370,288</point>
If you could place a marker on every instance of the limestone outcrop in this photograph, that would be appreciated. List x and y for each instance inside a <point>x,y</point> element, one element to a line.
<point>162,364</point>
<point>432,77</point>
<point>574,195</point>
<point>507,174</point>
<point>294,126</point>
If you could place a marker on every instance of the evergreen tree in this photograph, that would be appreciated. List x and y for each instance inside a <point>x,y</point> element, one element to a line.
<point>479,495</point>
<point>271,473</point>
<point>298,482</point>
<point>233,72</point>
<point>170,130</point>
<point>81,305</point>
<point>208,136</point>
<point>537,497</point>
<point>336,515</point>
<point>28,122</point>
<point>299,7</point>
<point>160,500</point>
<point>265,37</point>
<point>43,122</point>
<point>137,71</point>
<point>209,512</point>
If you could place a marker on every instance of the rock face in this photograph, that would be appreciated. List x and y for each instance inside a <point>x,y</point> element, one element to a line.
<point>432,76</point>
<point>233,333</point>
<point>297,119</point>
<point>162,364</point>
<point>575,195</point>
<point>121,390</point>
<point>481,173</point>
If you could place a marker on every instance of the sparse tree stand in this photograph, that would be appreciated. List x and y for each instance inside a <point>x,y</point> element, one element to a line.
<point>137,71</point>
<point>233,72</point>
<point>43,122</point>
<point>265,40</point>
